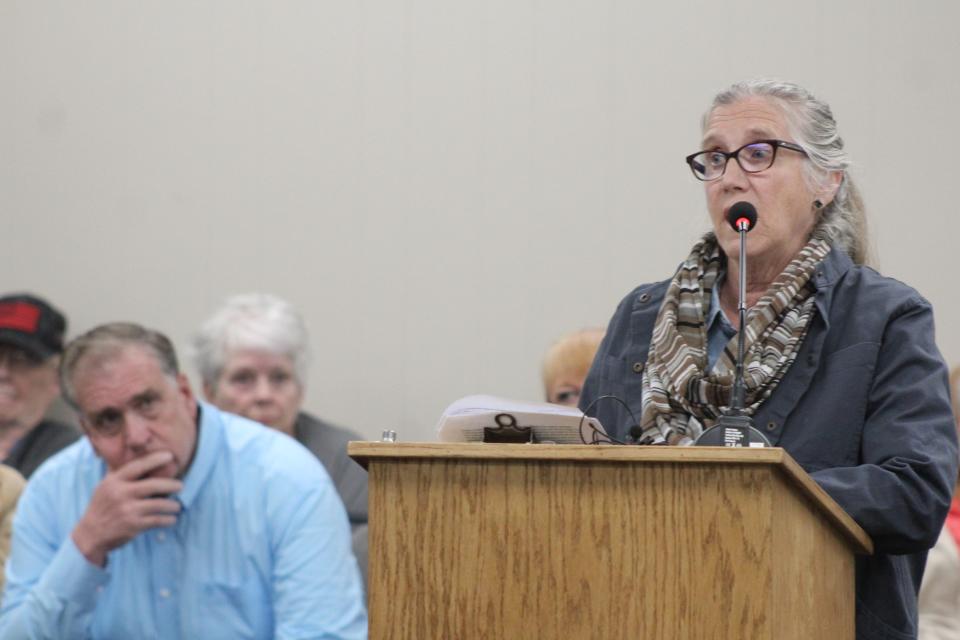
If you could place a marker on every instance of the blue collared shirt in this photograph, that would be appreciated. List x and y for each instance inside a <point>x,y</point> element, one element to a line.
<point>261,549</point>
<point>719,329</point>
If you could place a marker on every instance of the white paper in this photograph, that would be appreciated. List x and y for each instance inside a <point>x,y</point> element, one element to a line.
<point>465,419</point>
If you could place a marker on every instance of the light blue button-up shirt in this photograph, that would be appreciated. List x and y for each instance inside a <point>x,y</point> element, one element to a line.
<point>261,549</point>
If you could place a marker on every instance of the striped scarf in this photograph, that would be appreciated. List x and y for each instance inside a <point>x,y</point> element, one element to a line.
<point>680,398</point>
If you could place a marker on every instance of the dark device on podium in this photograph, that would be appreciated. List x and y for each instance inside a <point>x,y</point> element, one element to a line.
<point>735,428</point>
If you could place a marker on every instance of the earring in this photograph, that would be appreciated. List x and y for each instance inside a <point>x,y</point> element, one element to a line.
<point>817,204</point>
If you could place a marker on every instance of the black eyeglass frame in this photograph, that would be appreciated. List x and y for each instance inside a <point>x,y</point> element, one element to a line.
<point>735,154</point>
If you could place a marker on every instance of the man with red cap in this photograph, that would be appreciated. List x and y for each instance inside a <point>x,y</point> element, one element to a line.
<point>31,341</point>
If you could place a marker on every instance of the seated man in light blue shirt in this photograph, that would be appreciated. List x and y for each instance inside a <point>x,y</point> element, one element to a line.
<point>173,519</point>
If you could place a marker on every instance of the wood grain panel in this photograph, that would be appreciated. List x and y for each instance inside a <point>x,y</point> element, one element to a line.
<point>813,591</point>
<point>363,452</point>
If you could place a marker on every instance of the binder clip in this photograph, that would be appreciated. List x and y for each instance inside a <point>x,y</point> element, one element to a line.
<point>507,431</point>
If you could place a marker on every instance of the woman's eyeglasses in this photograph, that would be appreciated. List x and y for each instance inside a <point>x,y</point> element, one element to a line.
<point>753,157</point>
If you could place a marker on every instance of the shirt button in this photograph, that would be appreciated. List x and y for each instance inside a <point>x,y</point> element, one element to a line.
<point>164,593</point>
<point>161,536</point>
<point>771,425</point>
<point>638,367</point>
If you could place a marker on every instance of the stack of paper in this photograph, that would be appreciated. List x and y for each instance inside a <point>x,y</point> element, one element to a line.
<point>465,419</point>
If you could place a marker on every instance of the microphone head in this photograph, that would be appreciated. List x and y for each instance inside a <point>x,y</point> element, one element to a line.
<point>742,212</point>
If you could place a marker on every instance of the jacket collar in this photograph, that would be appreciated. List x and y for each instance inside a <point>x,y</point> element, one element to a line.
<point>828,273</point>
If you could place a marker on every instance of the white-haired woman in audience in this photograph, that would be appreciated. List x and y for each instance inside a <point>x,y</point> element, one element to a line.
<point>252,356</point>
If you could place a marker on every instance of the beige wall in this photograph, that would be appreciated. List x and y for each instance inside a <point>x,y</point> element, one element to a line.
<point>443,187</point>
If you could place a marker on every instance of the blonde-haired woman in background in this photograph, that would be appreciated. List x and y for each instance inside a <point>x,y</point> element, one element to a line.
<point>566,364</point>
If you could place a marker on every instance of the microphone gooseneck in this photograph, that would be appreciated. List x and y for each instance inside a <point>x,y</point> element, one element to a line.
<point>735,428</point>
<point>743,216</point>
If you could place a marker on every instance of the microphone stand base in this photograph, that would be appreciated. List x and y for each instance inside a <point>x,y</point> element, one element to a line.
<point>732,431</point>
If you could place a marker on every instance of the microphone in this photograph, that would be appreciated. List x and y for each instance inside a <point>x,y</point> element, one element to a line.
<point>742,214</point>
<point>735,428</point>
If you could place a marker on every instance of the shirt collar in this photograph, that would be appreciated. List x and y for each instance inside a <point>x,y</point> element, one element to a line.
<point>831,269</point>
<point>715,316</point>
<point>209,437</point>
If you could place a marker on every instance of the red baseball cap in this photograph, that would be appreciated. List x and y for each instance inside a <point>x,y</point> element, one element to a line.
<point>30,323</point>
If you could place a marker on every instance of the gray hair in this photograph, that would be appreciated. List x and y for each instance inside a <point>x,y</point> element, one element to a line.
<point>842,222</point>
<point>257,321</point>
<point>105,342</point>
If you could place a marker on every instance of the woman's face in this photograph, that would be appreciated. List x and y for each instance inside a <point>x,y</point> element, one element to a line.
<point>259,385</point>
<point>784,201</point>
<point>565,390</point>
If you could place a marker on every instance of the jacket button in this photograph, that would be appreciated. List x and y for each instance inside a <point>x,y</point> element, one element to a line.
<point>771,425</point>
<point>811,359</point>
<point>638,367</point>
<point>644,297</point>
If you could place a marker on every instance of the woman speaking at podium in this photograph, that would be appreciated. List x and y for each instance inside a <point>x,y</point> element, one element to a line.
<point>840,364</point>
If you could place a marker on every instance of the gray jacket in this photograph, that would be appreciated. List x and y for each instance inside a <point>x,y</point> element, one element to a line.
<point>329,444</point>
<point>865,409</point>
<point>40,443</point>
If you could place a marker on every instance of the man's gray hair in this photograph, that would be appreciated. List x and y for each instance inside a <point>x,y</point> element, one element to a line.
<point>255,321</point>
<point>842,222</point>
<point>105,342</point>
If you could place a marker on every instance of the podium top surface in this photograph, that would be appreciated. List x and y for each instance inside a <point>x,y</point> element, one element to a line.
<point>366,452</point>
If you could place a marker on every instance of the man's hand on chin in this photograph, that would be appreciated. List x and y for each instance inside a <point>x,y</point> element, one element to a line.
<point>127,501</point>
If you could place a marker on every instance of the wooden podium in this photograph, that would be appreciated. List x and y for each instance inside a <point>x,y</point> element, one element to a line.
<point>537,541</point>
